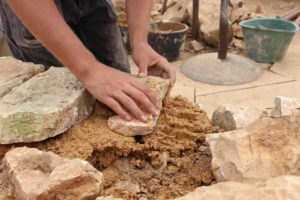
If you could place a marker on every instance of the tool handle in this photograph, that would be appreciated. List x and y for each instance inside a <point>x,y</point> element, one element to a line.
<point>223,30</point>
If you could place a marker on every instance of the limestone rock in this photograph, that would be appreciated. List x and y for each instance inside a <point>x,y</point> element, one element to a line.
<point>231,117</point>
<point>209,18</point>
<point>37,175</point>
<point>196,46</point>
<point>14,72</point>
<point>285,106</point>
<point>237,31</point>
<point>42,107</point>
<point>135,127</point>
<point>266,148</point>
<point>177,12</point>
<point>108,198</point>
<point>279,188</point>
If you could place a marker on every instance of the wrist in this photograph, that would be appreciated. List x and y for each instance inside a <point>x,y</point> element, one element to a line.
<point>136,47</point>
<point>84,71</point>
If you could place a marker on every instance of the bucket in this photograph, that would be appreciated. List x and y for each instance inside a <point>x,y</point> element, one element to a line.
<point>267,39</point>
<point>168,39</point>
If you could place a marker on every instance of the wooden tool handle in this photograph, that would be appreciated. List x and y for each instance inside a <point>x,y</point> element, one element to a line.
<point>223,30</point>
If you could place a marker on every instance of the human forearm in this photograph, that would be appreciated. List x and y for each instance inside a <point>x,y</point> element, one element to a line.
<point>138,15</point>
<point>47,25</point>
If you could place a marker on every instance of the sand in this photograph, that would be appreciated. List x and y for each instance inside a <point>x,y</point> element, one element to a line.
<point>170,162</point>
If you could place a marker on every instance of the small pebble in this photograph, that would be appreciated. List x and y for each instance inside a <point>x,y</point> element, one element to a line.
<point>203,148</point>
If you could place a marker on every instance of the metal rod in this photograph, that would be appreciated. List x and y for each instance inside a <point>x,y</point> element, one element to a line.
<point>195,25</point>
<point>223,31</point>
<point>164,8</point>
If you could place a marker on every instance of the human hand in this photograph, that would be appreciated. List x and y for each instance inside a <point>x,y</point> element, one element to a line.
<point>151,63</point>
<point>120,92</point>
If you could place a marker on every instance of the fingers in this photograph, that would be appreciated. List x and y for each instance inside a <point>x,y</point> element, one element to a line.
<point>146,91</point>
<point>140,97</point>
<point>130,105</point>
<point>143,68</point>
<point>169,72</point>
<point>117,108</point>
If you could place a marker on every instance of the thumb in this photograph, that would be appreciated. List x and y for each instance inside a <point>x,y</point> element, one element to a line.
<point>143,69</point>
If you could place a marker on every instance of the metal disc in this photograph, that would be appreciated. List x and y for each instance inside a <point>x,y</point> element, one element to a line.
<point>235,69</point>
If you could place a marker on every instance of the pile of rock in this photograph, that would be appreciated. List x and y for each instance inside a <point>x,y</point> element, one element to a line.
<point>259,153</point>
<point>209,17</point>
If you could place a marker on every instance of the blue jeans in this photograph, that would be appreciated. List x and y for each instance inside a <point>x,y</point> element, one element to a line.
<point>93,21</point>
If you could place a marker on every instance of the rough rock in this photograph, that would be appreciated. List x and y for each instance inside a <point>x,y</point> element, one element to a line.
<point>285,106</point>
<point>135,127</point>
<point>14,72</point>
<point>37,175</point>
<point>196,46</point>
<point>279,188</point>
<point>266,148</point>
<point>237,31</point>
<point>178,12</point>
<point>239,43</point>
<point>209,18</point>
<point>108,198</point>
<point>44,106</point>
<point>231,117</point>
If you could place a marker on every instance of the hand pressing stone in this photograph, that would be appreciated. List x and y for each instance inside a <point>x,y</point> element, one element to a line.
<point>135,127</point>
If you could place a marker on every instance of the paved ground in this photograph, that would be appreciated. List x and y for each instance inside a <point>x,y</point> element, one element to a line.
<point>280,79</point>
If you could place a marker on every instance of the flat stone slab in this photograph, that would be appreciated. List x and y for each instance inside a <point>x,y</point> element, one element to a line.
<point>43,107</point>
<point>37,175</point>
<point>14,72</point>
<point>135,127</point>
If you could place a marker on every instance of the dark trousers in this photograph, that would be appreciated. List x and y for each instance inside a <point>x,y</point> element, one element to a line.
<point>93,21</point>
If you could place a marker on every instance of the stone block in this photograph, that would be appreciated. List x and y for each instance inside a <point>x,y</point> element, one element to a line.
<point>43,107</point>
<point>135,127</point>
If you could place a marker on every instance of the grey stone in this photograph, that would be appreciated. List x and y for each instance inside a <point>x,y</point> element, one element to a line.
<point>43,107</point>
<point>231,117</point>
<point>14,72</point>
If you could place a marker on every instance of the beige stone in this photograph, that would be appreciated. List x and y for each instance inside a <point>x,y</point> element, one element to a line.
<point>237,31</point>
<point>279,188</point>
<point>44,106</point>
<point>14,72</point>
<point>108,198</point>
<point>178,12</point>
<point>265,149</point>
<point>37,175</point>
<point>285,106</point>
<point>196,46</point>
<point>209,17</point>
<point>231,117</point>
<point>135,127</point>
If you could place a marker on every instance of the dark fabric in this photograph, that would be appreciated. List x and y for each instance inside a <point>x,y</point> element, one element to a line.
<point>93,21</point>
